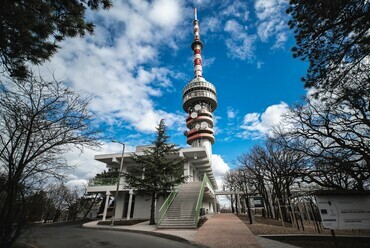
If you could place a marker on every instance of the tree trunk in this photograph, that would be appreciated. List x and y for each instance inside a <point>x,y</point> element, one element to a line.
<point>57,214</point>
<point>90,207</point>
<point>7,229</point>
<point>250,212</point>
<point>232,203</point>
<point>152,210</point>
<point>236,204</point>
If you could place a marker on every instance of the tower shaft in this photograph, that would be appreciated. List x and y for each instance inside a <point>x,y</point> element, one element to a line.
<point>199,99</point>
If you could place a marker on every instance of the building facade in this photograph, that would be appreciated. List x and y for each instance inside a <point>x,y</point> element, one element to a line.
<point>184,205</point>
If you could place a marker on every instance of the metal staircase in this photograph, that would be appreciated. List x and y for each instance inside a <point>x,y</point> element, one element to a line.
<point>182,212</point>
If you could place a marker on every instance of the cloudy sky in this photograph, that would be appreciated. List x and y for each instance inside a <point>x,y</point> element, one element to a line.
<point>139,59</point>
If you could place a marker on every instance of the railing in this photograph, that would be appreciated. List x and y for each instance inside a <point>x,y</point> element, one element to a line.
<point>200,196</point>
<point>196,84</point>
<point>166,204</point>
<point>102,181</point>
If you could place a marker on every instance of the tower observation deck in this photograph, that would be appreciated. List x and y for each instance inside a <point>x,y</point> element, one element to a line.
<point>199,99</point>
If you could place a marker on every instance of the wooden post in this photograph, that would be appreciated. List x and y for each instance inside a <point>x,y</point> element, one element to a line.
<point>334,238</point>
<point>291,217</point>
<point>281,214</point>
<point>314,217</point>
<point>294,220</point>
<point>307,213</point>
<point>300,217</point>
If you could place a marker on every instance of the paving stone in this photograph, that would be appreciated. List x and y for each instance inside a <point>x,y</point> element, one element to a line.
<point>226,231</point>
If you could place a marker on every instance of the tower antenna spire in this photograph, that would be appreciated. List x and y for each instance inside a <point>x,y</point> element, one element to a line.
<point>197,47</point>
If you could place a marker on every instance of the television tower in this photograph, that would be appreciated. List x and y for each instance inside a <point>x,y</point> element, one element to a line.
<point>199,100</point>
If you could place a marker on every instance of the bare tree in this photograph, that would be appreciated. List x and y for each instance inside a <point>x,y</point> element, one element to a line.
<point>252,177</point>
<point>229,181</point>
<point>67,201</point>
<point>79,201</point>
<point>59,196</point>
<point>273,166</point>
<point>39,121</point>
<point>333,131</point>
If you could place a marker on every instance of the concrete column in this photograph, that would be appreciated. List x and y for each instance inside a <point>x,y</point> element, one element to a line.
<point>131,192</point>
<point>215,204</point>
<point>189,173</point>
<point>107,194</point>
<point>120,205</point>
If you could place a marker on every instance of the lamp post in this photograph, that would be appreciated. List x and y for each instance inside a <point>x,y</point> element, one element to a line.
<point>118,181</point>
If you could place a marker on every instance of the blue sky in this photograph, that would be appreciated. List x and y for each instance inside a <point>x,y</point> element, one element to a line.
<point>139,59</point>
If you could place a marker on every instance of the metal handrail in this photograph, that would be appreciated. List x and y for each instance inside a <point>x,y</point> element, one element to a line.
<point>200,196</point>
<point>102,181</point>
<point>166,204</point>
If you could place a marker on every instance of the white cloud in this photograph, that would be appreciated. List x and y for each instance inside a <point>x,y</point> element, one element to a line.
<point>256,125</point>
<point>240,45</point>
<point>111,64</point>
<point>219,168</point>
<point>236,9</point>
<point>207,62</point>
<point>85,167</point>
<point>165,13</point>
<point>210,24</point>
<point>233,26</point>
<point>231,113</point>
<point>272,21</point>
<point>78,183</point>
<point>259,64</point>
<point>251,118</point>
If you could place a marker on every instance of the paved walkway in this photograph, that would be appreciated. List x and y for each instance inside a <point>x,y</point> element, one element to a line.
<point>220,231</point>
<point>226,230</point>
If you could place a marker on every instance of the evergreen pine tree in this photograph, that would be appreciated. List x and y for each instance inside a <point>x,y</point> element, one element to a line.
<point>160,169</point>
<point>31,31</point>
<point>334,38</point>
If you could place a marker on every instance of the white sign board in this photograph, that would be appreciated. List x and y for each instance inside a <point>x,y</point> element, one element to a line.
<point>344,211</point>
<point>257,202</point>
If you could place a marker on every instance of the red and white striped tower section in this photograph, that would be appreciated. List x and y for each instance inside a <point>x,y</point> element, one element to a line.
<point>199,100</point>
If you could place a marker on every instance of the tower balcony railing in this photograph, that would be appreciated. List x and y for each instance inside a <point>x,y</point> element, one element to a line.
<point>200,84</point>
<point>199,95</point>
<point>102,181</point>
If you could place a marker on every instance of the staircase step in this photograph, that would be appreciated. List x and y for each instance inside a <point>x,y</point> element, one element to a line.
<point>185,221</point>
<point>181,213</point>
<point>179,217</point>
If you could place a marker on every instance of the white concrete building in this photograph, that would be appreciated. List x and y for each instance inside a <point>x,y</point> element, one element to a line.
<point>184,205</point>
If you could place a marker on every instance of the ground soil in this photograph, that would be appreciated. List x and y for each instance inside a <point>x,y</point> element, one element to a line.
<point>309,237</point>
